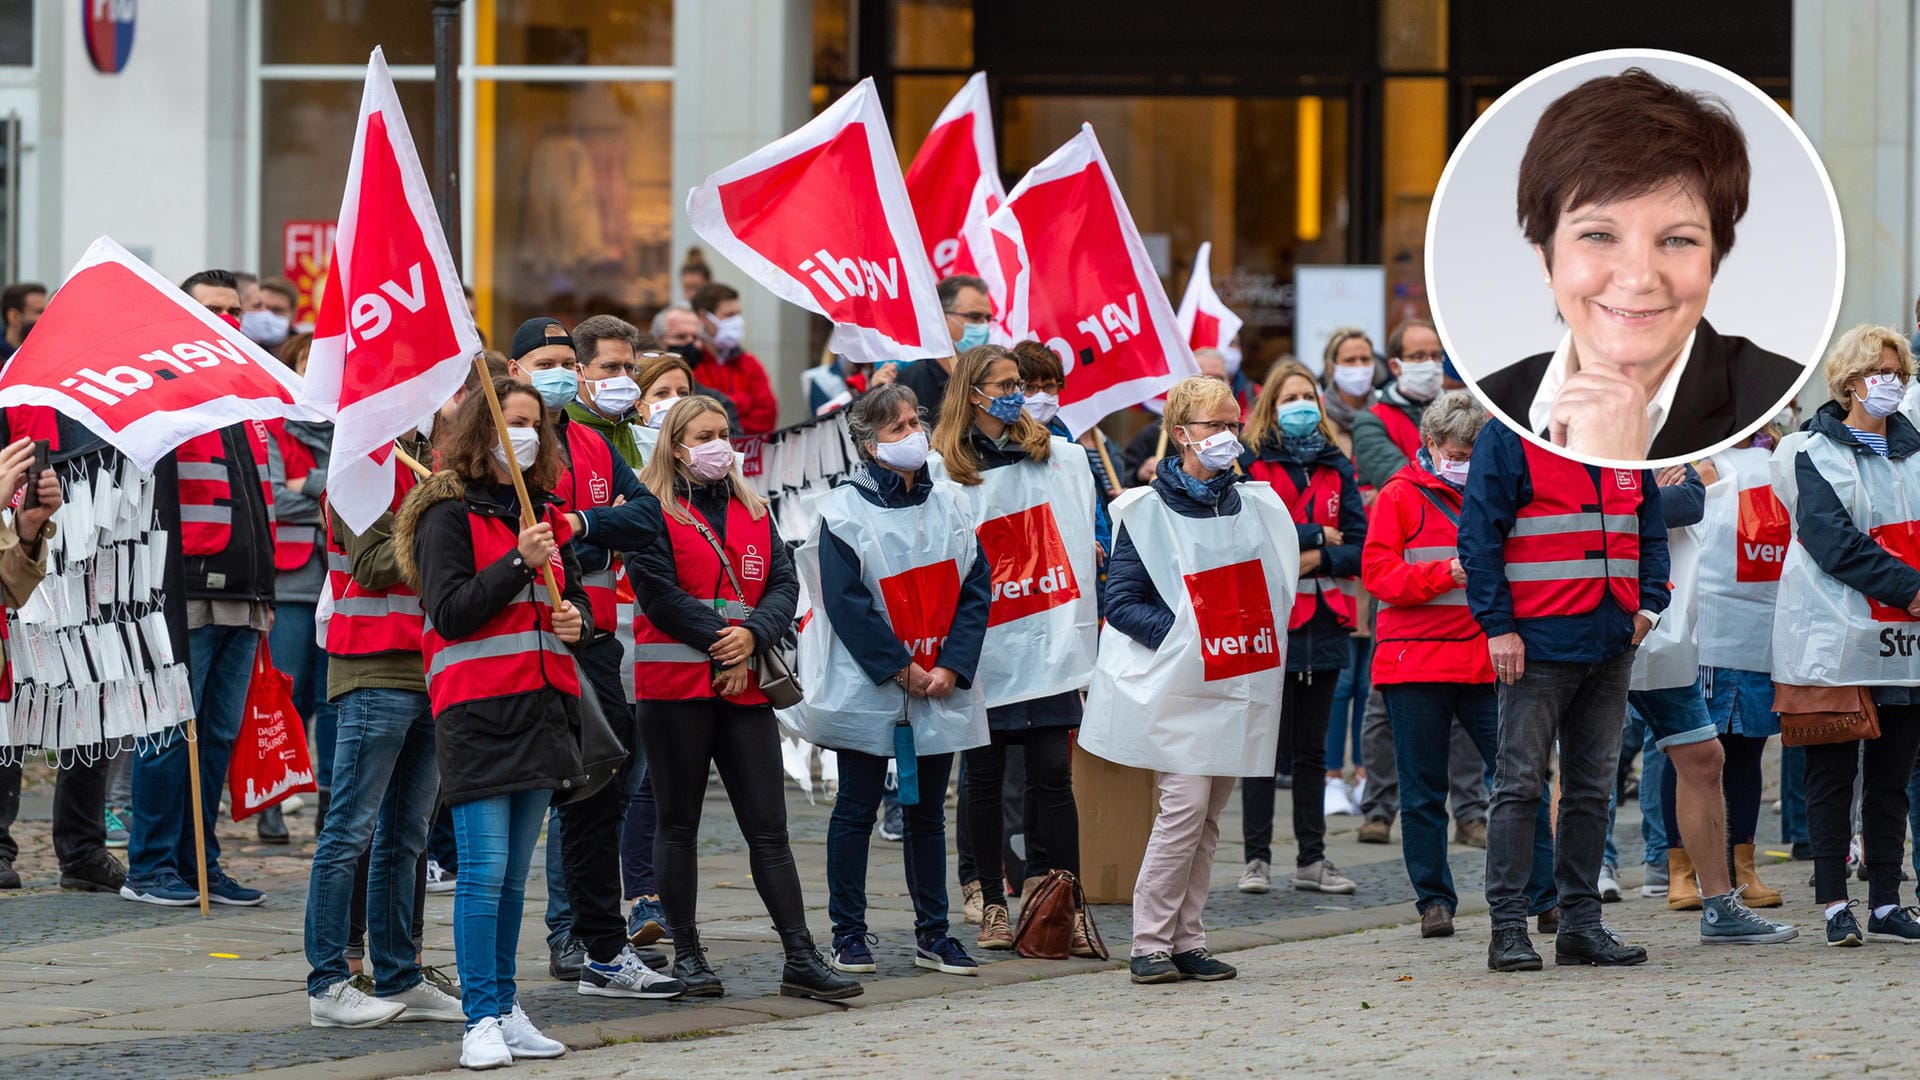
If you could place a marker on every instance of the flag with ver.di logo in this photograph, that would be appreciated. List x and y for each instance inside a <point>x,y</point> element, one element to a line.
<point>821,218</point>
<point>140,363</point>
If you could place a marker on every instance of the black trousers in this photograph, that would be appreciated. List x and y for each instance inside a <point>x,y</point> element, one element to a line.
<point>684,740</point>
<point>79,811</point>
<point>1305,704</point>
<point>590,827</point>
<point>1049,775</point>
<point>1887,766</point>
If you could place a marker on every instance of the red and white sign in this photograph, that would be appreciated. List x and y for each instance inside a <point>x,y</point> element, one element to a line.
<point>1204,320</point>
<point>392,341</point>
<point>821,218</point>
<point>305,247</point>
<point>1237,634</point>
<point>954,183</point>
<point>920,605</point>
<point>1031,572</point>
<point>125,352</point>
<point>1080,280</point>
<point>1763,530</point>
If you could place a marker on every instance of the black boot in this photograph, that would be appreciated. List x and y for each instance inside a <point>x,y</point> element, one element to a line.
<point>1512,950</point>
<point>1596,947</point>
<point>271,827</point>
<point>807,975</point>
<point>690,965</point>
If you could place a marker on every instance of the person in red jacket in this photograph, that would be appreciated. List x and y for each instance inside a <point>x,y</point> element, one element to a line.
<point>727,367</point>
<point>1430,656</point>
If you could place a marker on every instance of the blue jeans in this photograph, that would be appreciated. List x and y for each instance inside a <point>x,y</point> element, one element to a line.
<point>220,667</point>
<point>297,653</point>
<point>1913,817</point>
<point>1793,796</point>
<point>863,779</point>
<point>496,837</point>
<point>1422,715</point>
<point>1653,768</point>
<point>383,793</point>
<point>1349,705</point>
<point>1677,715</point>
<point>559,907</point>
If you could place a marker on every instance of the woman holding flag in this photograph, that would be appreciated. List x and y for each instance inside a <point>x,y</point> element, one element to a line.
<point>1029,497</point>
<point>716,589</point>
<point>1188,681</point>
<point>1293,447</point>
<point>887,657</point>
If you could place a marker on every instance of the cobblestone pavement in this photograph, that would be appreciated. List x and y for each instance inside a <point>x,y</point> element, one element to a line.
<point>97,983</point>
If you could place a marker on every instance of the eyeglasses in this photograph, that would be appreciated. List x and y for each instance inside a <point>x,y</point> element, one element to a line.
<point>615,367</point>
<point>1423,358</point>
<point>1234,426</point>
<point>976,318</point>
<point>1042,387</point>
<point>999,389</point>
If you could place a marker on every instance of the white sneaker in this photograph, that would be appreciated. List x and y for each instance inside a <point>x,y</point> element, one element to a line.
<point>1258,878</point>
<point>425,1002</point>
<point>1609,885</point>
<point>1338,799</point>
<point>627,976</point>
<point>1357,793</point>
<point>341,1006</point>
<point>484,1046</point>
<point>524,1040</point>
<point>438,880</point>
<point>292,804</point>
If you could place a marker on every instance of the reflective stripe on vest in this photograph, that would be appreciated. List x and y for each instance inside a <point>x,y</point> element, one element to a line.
<point>1577,541</point>
<point>367,622</point>
<point>1319,504</point>
<point>206,490</point>
<point>667,669</point>
<point>293,545</point>
<point>1444,617</point>
<point>515,651</point>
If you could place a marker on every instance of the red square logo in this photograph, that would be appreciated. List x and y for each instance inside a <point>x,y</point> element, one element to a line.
<point>1762,533</point>
<point>1031,573</point>
<point>1237,635</point>
<point>921,602</point>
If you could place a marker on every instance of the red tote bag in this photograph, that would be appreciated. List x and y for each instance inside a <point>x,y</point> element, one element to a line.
<point>270,758</point>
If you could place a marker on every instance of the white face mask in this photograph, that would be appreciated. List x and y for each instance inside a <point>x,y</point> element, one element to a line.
<point>1453,472</point>
<point>1354,380</point>
<point>1419,380</point>
<point>657,411</point>
<point>906,454</point>
<point>613,397</point>
<point>1883,394</point>
<point>1042,407</point>
<point>526,446</point>
<point>729,332</point>
<point>1217,451</point>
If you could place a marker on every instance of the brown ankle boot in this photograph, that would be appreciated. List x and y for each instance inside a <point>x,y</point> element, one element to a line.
<point>1683,892</point>
<point>1757,895</point>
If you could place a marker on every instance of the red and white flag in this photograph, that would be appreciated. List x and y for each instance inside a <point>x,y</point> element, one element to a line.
<point>821,218</point>
<point>954,183</point>
<point>140,363</point>
<point>1204,320</point>
<point>1080,280</point>
<point>392,340</point>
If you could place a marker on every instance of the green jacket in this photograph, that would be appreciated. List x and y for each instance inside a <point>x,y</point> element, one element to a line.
<point>371,560</point>
<point>617,432</point>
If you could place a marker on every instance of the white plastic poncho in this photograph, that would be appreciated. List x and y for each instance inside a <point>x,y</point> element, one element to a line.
<point>1743,544</point>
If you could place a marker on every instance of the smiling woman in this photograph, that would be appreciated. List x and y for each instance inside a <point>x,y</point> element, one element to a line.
<point>1629,192</point>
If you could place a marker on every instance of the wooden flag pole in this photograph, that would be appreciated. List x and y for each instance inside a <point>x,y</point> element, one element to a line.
<point>418,469</point>
<point>199,813</point>
<point>1106,461</point>
<point>1160,448</point>
<point>519,478</point>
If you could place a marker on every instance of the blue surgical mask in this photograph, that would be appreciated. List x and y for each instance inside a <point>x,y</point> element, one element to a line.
<point>1007,407</point>
<point>972,336</point>
<point>1299,417</point>
<point>557,385</point>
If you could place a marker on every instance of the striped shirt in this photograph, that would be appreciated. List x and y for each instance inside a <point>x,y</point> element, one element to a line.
<point>1875,443</point>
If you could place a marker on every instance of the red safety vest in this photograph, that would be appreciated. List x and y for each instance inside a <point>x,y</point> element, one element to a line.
<point>206,494</point>
<point>33,422</point>
<point>366,622</point>
<point>1438,640</point>
<point>1573,544</point>
<point>664,667</point>
<point>293,545</point>
<point>1319,504</point>
<point>1404,432</point>
<point>516,651</point>
<point>588,483</point>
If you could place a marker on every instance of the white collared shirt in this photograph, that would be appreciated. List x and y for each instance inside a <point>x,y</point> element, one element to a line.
<point>1561,366</point>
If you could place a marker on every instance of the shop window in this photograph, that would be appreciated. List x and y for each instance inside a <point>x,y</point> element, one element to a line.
<point>627,32</point>
<point>933,34</point>
<point>344,32</point>
<point>16,33</point>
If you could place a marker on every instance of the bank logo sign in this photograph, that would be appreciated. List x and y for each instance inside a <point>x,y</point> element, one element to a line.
<point>106,26</point>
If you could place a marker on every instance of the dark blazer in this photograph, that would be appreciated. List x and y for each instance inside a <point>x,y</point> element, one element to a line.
<point>1729,383</point>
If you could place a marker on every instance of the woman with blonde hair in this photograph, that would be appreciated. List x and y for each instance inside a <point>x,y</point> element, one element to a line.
<point>1848,587</point>
<point>1349,375</point>
<point>1031,501</point>
<point>715,590</point>
<point>1292,445</point>
<point>1188,681</point>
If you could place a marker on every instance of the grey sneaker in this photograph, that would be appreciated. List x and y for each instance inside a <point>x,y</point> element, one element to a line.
<point>1609,884</point>
<point>1258,878</point>
<point>1654,883</point>
<point>1724,920</point>
<point>1322,876</point>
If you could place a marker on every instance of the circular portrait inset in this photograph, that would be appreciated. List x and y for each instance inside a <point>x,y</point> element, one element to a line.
<point>1635,256</point>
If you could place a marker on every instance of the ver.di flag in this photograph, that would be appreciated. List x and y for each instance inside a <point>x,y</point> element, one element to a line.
<point>392,340</point>
<point>1081,282</point>
<point>140,363</point>
<point>954,182</point>
<point>821,218</point>
<point>1204,320</point>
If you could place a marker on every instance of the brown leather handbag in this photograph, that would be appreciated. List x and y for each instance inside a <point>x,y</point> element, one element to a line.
<point>1810,715</point>
<point>1047,917</point>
